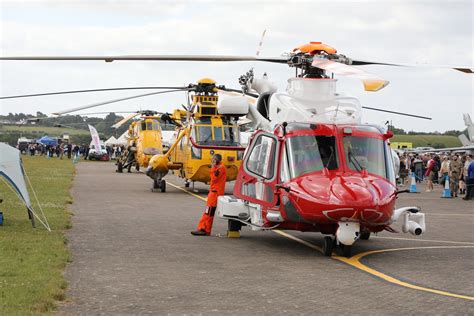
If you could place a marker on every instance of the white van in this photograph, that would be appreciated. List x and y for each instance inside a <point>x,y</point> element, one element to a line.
<point>98,155</point>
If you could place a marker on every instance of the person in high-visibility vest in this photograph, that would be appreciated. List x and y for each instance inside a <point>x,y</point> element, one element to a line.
<point>218,179</point>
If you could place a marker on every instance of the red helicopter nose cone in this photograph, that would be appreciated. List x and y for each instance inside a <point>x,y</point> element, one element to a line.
<point>356,192</point>
<point>339,198</point>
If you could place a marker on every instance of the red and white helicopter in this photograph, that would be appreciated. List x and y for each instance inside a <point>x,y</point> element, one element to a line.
<point>311,165</point>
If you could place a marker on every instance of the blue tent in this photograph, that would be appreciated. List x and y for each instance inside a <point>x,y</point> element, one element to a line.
<point>46,140</point>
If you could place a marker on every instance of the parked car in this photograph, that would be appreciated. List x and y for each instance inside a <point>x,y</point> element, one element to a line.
<point>98,154</point>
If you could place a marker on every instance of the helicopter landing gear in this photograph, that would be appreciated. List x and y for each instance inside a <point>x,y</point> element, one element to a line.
<point>119,167</point>
<point>364,235</point>
<point>159,184</point>
<point>346,250</point>
<point>328,245</point>
<point>186,184</point>
<point>233,228</point>
<point>137,167</point>
<point>163,185</point>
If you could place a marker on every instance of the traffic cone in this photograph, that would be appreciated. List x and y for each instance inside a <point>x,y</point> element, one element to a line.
<point>446,191</point>
<point>413,184</point>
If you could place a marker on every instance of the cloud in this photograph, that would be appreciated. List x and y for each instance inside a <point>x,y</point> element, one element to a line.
<point>401,31</point>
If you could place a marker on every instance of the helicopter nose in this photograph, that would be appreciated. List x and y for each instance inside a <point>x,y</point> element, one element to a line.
<point>346,197</point>
<point>355,192</point>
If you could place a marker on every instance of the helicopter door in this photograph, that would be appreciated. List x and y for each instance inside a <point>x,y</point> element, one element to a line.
<point>257,176</point>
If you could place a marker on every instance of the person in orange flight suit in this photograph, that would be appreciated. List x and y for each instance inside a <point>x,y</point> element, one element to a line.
<point>218,179</point>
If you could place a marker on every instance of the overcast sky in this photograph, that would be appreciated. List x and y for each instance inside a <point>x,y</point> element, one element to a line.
<point>432,32</point>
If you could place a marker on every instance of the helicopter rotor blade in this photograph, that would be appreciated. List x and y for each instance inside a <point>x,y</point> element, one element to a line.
<point>106,112</point>
<point>125,119</point>
<point>398,113</point>
<point>218,58</point>
<point>115,100</point>
<point>239,91</point>
<point>153,58</point>
<point>465,69</point>
<point>86,91</point>
<point>371,82</point>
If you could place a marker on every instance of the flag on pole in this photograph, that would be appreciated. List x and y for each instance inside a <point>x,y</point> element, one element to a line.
<point>95,139</point>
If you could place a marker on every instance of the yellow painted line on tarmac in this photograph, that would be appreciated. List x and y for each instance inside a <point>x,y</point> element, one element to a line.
<point>188,192</point>
<point>426,240</point>
<point>354,261</point>
<point>301,241</point>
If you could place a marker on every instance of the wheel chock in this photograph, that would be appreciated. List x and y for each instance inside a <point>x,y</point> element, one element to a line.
<point>233,234</point>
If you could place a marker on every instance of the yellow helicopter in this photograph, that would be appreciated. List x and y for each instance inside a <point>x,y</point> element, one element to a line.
<point>201,131</point>
<point>144,140</point>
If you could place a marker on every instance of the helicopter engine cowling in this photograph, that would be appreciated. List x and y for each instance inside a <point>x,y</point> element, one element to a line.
<point>263,86</point>
<point>234,106</point>
<point>313,100</point>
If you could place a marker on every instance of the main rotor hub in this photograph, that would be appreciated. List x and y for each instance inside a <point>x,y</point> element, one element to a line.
<point>205,86</point>
<point>303,56</point>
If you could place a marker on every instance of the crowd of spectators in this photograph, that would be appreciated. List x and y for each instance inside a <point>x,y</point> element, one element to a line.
<point>68,150</point>
<point>458,169</point>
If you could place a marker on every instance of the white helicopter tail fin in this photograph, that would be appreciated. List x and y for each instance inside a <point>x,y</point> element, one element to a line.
<point>464,140</point>
<point>470,129</point>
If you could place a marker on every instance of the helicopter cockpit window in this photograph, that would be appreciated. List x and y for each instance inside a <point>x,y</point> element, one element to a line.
<point>143,126</point>
<point>156,126</point>
<point>218,133</point>
<point>365,153</point>
<point>261,161</point>
<point>149,126</point>
<point>311,153</point>
<point>204,134</point>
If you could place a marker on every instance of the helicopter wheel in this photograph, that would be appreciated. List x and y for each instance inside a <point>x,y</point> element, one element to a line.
<point>120,167</point>
<point>365,235</point>
<point>328,245</point>
<point>163,185</point>
<point>156,185</point>
<point>137,167</point>
<point>186,184</point>
<point>346,250</point>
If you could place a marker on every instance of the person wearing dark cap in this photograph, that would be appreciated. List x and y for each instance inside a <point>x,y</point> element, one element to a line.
<point>218,179</point>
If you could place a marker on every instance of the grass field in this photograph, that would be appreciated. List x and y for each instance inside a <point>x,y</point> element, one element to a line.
<point>32,260</point>
<point>428,140</point>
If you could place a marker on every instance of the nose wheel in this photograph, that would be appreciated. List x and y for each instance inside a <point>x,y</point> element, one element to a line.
<point>364,235</point>
<point>159,184</point>
<point>346,250</point>
<point>328,245</point>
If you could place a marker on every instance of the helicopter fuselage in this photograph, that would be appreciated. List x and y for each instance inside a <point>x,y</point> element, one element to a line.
<point>312,177</point>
